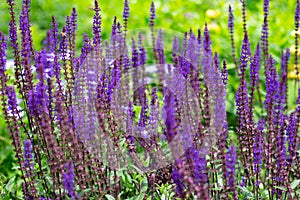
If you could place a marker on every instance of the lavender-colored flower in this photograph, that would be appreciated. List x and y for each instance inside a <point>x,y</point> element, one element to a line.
<point>28,157</point>
<point>69,179</point>
<point>231,161</point>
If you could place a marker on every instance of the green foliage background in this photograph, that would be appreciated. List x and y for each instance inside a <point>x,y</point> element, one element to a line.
<point>179,15</point>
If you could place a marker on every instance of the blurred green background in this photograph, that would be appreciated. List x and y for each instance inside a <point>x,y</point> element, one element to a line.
<point>177,15</point>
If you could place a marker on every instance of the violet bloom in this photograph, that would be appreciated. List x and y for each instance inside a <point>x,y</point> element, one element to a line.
<point>231,161</point>
<point>28,157</point>
<point>69,179</point>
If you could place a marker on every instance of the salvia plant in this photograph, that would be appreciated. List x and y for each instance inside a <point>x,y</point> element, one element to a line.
<point>127,118</point>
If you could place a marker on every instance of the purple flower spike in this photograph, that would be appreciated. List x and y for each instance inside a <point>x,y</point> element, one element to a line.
<point>97,24</point>
<point>126,12</point>
<point>170,118</point>
<point>3,48</point>
<point>230,19</point>
<point>231,161</point>
<point>265,30</point>
<point>28,156</point>
<point>152,15</point>
<point>245,54</point>
<point>297,15</point>
<point>69,179</point>
<point>254,67</point>
<point>225,73</point>
<point>12,99</point>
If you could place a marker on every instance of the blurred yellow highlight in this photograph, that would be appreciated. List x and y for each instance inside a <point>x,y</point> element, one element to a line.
<point>212,13</point>
<point>293,33</point>
<point>293,49</point>
<point>213,27</point>
<point>293,75</point>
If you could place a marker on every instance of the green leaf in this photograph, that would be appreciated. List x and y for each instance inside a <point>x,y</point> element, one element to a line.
<point>9,186</point>
<point>280,188</point>
<point>295,183</point>
<point>109,197</point>
<point>84,191</point>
